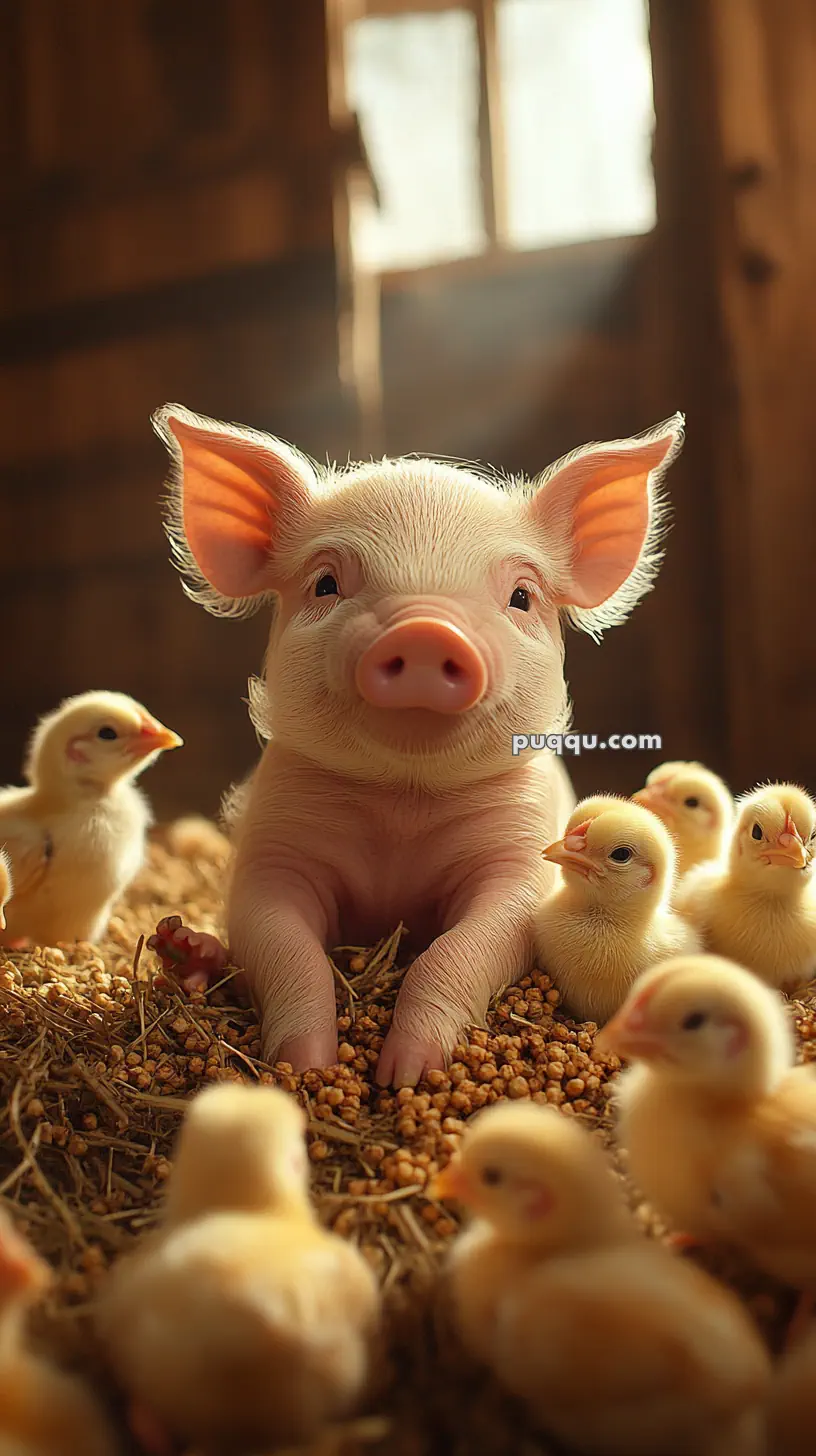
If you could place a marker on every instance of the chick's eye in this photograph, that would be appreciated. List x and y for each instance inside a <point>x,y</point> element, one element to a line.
<point>327,586</point>
<point>756,832</point>
<point>491,1176</point>
<point>694,1021</point>
<point>107,733</point>
<point>691,802</point>
<point>622,854</point>
<point>520,599</point>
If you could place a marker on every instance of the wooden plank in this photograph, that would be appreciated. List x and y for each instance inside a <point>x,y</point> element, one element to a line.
<point>492,140</point>
<point>245,291</point>
<point>764,59</point>
<point>681,361</point>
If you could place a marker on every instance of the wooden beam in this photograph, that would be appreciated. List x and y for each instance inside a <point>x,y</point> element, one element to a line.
<point>492,153</point>
<point>406,7</point>
<point>307,281</point>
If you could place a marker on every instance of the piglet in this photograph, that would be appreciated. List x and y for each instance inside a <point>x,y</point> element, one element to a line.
<point>417,626</point>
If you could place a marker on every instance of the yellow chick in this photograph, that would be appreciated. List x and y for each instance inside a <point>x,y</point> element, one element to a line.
<point>610,919</point>
<point>792,1406</point>
<point>759,906</point>
<point>43,1411</point>
<point>615,1345</point>
<point>76,835</point>
<point>718,1123</point>
<point>241,1323</point>
<point>695,806</point>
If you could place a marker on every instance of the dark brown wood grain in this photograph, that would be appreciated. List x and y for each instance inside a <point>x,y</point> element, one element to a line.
<point>168,234</point>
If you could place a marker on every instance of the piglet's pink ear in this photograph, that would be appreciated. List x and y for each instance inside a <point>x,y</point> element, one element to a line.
<point>600,513</point>
<point>234,492</point>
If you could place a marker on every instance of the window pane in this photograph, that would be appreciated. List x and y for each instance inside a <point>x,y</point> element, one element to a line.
<point>414,81</point>
<point>577,96</point>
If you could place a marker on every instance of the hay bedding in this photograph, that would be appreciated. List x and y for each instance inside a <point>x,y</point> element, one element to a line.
<point>99,1052</point>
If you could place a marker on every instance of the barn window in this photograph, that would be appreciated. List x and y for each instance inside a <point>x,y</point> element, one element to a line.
<point>499,124</point>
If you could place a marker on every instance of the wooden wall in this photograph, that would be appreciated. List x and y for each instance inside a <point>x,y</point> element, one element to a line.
<point>166,187</point>
<point>516,360</point>
<point>169,205</point>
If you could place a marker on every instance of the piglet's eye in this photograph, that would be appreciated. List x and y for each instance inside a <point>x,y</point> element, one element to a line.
<point>327,586</point>
<point>520,599</point>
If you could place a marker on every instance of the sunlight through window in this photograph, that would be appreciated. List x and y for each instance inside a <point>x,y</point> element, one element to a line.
<point>414,81</point>
<point>575,91</point>
<point>577,98</point>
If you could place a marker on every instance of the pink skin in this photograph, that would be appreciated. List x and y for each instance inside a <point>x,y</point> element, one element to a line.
<point>399,666</point>
<point>422,663</point>
<point>461,869</point>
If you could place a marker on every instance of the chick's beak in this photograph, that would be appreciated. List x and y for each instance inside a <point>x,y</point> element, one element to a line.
<point>571,852</point>
<point>790,850</point>
<point>452,1182</point>
<point>653,797</point>
<point>155,738</point>
<point>629,1037</point>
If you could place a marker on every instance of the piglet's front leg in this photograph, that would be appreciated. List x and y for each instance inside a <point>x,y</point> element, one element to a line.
<point>449,986</point>
<point>280,943</point>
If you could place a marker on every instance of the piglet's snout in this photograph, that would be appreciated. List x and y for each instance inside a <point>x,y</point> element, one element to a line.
<point>422,663</point>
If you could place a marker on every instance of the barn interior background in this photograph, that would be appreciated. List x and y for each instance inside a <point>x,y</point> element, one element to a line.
<point>493,229</point>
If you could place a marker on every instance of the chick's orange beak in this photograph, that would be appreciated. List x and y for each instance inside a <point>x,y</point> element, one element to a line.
<point>153,737</point>
<point>628,1035</point>
<point>570,852</point>
<point>653,796</point>
<point>452,1182</point>
<point>789,849</point>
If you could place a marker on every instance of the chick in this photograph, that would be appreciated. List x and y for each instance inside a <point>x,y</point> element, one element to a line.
<point>718,1123</point>
<point>43,1412</point>
<point>792,1406</point>
<point>615,1345</point>
<point>695,806</point>
<point>241,1324</point>
<point>759,906</point>
<point>610,919</point>
<point>76,835</point>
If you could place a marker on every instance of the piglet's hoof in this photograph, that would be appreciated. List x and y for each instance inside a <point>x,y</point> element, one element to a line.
<point>314,1050</point>
<point>194,958</point>
<point>404,1059</point>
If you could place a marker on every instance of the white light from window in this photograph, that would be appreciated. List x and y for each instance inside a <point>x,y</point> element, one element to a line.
<point>576,88</point>
<point>414,81</point>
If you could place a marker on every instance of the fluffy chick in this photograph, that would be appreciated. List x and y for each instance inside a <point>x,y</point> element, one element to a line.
<point>241,1324</point>
<point>759,906</point>
<point>76,835</point>
<point>615,1345</point>
<point>695,806</point>
<point>718,1123</point>
<point>43,1411</point>
<point>610,919</point>
<point>792,1406</point>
